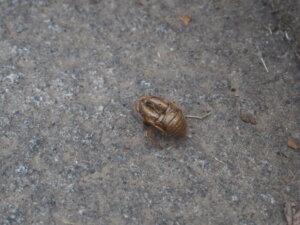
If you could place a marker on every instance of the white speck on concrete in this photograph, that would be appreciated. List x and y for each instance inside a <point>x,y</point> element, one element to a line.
<point>145,83</point>
<point>234,198</point>
<point>268,197</point>
<point>12,77</point>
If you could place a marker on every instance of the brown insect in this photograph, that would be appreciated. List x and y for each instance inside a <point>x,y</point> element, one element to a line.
<point>163,115</point>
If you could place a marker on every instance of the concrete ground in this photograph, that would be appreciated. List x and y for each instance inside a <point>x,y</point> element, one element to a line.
<point>72,150</point>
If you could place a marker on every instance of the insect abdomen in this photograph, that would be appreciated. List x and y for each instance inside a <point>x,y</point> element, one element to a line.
<point>177,126</point>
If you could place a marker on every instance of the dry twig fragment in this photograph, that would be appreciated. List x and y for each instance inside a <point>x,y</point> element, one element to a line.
<point>292,144</point>
<point>288,213</point>
<point>291,215</point>
<point>298,56</point>
<point>186,19</point>
<point>264,64</point>
<point>297,218</point>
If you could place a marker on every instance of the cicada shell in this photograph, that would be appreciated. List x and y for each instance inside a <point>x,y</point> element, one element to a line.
<point>163,115</point>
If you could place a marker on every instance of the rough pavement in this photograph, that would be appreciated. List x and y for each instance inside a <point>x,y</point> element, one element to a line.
<point>72,150</point>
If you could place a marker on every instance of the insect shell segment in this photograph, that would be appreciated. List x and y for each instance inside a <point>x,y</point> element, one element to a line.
<point>162,114</point>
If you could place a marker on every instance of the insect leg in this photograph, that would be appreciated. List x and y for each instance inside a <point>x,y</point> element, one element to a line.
<point>148,135</point>
<point>199,117</point>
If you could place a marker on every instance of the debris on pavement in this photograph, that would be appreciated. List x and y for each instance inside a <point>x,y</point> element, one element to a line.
<point>292,215</point>
<point>186,19</point>
<point>292,145</point>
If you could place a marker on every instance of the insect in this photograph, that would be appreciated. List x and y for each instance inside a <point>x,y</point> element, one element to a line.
<point>163,115</point>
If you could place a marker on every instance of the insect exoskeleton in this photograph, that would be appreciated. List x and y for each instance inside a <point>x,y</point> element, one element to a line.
<point>163,115</point>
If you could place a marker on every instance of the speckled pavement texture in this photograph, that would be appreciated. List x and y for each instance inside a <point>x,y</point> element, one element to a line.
<point>72,149</point>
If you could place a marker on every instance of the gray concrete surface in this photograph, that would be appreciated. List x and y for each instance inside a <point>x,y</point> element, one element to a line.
<point>72,151</point>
